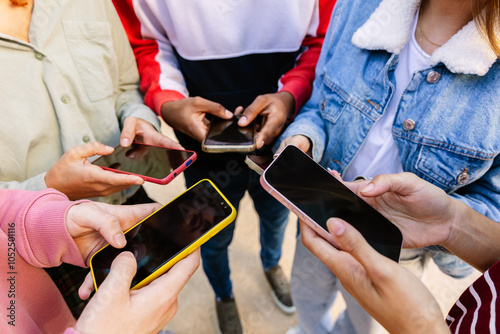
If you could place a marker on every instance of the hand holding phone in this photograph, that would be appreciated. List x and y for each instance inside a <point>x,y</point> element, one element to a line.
<point>227,136</point>
<point>314,195</point>
<point>169,234</point>
<point>141,311</point>
<point>152,163</point>
<point>74,176</point>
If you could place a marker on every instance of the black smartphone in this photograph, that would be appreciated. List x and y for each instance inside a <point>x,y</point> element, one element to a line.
<point>315,195</point>
<point>227,136</point>
<point>153,163</point>
<point>169,234</point>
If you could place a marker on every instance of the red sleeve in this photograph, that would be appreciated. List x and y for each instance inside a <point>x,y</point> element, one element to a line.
<point>298,81</point>
<point>145,51</point>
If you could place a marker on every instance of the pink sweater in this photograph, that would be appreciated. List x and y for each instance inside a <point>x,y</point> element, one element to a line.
<point>33,223</point>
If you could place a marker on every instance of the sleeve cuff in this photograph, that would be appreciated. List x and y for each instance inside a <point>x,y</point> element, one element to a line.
<point>300,89</point>
<point>164,96</point>
<point>49,241</point>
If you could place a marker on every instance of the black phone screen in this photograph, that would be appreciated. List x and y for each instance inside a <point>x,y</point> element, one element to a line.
<point>152,161</point>
<point>320,196</point>
<point>167,232</point>
<point>228,132</point>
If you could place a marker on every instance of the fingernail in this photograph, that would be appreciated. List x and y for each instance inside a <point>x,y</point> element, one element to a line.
<point>119,240</point>
<point>228,113</point>
<point>242,120</point>
<point>329,170</point>
<point>369,187</point>
<point>275,155</point>
<point>108,148</point>
<point>125,142</point>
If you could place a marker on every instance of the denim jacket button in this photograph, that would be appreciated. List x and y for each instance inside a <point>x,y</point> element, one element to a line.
<point>433,77</point>
<point>408,124</point>
<point>463,177</point>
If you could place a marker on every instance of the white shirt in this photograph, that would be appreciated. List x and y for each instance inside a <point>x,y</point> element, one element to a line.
<point>379,153</point>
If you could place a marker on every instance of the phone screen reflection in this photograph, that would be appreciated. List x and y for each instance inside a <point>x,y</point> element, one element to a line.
<point>228,132</point>
<point>320,196</point>
<point>151,161</point>
<point>167,232</point>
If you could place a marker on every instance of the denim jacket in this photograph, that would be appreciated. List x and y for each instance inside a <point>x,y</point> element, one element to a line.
<point>447,125</point>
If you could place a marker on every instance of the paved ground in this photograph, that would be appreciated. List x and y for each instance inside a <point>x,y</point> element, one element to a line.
<point>196,313</point>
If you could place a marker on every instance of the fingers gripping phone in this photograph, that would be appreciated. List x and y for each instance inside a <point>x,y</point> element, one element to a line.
<point>227,136</point>
<point>153,163</point>
<point>314,195</point>
<point>169,234</point>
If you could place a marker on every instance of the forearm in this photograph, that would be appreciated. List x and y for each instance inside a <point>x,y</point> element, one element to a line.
<point>474,238</point>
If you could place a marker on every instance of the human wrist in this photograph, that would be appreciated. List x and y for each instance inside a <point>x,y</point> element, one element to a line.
<point>166,112</point>
<point>288,100</point>
<point>460,216</point>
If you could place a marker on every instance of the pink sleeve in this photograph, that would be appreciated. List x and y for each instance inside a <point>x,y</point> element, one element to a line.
<point>36,222</point>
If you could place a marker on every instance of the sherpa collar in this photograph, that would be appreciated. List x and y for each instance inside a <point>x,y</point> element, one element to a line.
<point>389,26</point>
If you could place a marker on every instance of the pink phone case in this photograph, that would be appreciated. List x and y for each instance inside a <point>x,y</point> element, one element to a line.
<point>301,215</point>
<point>334,199</point>
<point>168,178</point>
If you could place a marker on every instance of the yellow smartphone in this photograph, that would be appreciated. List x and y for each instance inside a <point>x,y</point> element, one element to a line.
<point>169,234</point>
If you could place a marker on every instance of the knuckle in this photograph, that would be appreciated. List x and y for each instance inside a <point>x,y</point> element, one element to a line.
<point>197,100</point>
<point>261,98</point>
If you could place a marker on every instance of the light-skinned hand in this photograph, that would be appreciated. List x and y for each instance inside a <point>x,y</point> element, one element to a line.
<point>77,178</point>
<point>117,309</point>
<point>301,142</point>
<point>93,224</point>
<point>274,109</point>
<point>423,212</point>
<point>142,131</point>
<point>188,115</point>
<point>389,292</point>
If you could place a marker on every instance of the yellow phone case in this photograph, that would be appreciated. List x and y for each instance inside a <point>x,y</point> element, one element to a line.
<point>186,251</point>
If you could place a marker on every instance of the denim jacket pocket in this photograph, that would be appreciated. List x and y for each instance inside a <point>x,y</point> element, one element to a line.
<point>91,47</point>
<point>450,170</point>
<point>335,101</point>
<point>331,104</point>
